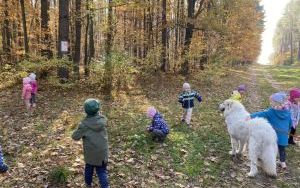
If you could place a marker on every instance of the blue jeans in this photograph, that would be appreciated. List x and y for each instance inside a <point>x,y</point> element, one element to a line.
<point>282,154</point>
<point>101,173</point>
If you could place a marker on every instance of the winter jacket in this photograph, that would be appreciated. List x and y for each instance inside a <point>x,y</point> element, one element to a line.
<point>3,166</point>
<point>26,93</point>
<point>34,86</point>
<point>186,98</point>
<point>236,96</point>
<point>159,123</point>
<point>281,122</point>
<point>295,112</point>
<point>92,131</point>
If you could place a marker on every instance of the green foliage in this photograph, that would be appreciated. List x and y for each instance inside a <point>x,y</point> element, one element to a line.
<point>122,72</point>
<point>44,67</point>
<point>59,175</point>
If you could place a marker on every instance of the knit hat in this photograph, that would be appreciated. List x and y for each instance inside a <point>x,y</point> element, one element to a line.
<point>151,112</point>
<point>186,86</point>
<point>91,107</point>
<point>294,94</point>
<point>241,88</point>
<point>32,76</point>
<point>26,80</point>
<point>278,100</point>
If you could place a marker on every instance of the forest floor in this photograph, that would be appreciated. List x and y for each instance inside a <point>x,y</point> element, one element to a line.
<point>196,157</point>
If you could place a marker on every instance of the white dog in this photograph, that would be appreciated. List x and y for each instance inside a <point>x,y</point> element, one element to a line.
<point>259,134</point>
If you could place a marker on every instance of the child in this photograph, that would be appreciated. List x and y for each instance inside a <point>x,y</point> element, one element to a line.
<point>26,93</point>
<point>3,166</point>
<point>280,119</point>
<point>238,93</point>
<point>293,105</point>
<point>186,98</point>
<point>92,131</point>
<point>159,128</point>
<point>34,86</point>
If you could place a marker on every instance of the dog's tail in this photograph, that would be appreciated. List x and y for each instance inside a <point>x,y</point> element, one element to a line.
<point>269,159</point>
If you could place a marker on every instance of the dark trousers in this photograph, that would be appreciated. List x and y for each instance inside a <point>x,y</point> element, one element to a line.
<point>101,173</point>
<point>282,154</point>
<point>293,131</point>
<point>158,134</point>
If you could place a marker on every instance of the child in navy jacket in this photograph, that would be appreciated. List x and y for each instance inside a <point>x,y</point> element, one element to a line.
<point>186,98</point>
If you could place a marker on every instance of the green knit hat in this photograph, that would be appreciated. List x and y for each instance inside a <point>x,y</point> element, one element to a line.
<point>91,107</point>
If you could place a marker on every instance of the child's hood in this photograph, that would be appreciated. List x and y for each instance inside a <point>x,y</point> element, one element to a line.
<point>281,114</point>
<point>157,116</point>
<point>95,123</point>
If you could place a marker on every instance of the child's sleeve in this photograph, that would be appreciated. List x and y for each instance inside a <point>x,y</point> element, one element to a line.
<point>198,97</point>
<point>79,133</point>
<point>180,98</point>
<point>263,114</point>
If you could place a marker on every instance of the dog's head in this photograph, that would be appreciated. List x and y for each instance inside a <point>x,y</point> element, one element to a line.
<point>227,106</point>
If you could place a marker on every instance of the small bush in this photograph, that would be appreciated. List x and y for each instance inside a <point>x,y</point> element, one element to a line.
<point>59,175</point>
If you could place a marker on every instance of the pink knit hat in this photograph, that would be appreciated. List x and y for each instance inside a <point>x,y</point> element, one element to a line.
<point>294,94</point>
<point>26,80</point>
<point>151,112</point>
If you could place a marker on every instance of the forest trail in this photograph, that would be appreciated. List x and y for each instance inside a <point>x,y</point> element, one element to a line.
<point>196,157</point>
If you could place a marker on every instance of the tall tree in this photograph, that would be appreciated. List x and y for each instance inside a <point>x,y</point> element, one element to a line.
<point>63,37</point>
<point>164,38</point>
<point>6,40</point>
<point>26,46</point>
<point>108,48</point>
<point>192,16</point>
<point>45,31</point>
<point>76,58</point>
<point>63,30</point>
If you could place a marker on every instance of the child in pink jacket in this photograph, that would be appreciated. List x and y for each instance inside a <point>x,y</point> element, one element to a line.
<point>26,93</point>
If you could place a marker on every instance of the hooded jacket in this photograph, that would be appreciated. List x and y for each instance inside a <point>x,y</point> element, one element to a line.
<point>159,123</point>
<point>27,89</point>
<point>92,131</point>
<point>281,122</point>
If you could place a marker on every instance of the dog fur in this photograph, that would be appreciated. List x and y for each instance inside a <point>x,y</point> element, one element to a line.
<point>257,132</point>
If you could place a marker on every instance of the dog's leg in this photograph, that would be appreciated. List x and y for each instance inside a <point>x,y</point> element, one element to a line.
<point>234,145</point>
<point>269,160</point>
<point>241,147</point>
<point>253,158</point>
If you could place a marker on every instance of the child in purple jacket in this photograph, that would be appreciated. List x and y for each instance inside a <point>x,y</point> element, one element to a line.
<point>158,128</point>
<point>34,86</point>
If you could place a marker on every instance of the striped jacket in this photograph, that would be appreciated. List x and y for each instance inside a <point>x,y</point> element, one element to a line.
<point>186,98</point>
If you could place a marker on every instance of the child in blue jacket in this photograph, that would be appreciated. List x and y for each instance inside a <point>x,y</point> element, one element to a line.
<point>281,121</point>
<point>158,128</point>
<point>186,98</point>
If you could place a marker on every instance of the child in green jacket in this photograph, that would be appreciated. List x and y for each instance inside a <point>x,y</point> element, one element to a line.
<point>92,131</point>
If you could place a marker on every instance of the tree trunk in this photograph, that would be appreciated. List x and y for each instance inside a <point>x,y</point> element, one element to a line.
<point>188,36</point>
<point>86,53</point>
<point>45,31</point>
<point>76,58</point>
<point>63,37</point>
<point>6,31</point>
<point>164,38</point>
<point>108,47</point>
<point>24,27</point>
<point>91,39</point>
